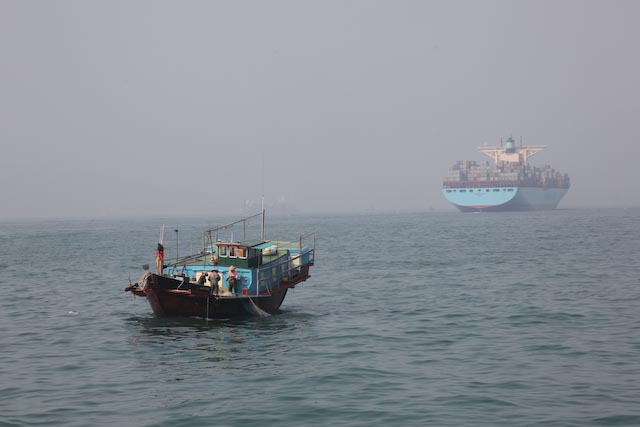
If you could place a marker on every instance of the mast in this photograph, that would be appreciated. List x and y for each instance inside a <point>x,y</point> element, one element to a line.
<point>262,232</point>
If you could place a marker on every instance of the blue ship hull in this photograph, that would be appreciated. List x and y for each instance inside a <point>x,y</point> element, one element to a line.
<point>501,199</point>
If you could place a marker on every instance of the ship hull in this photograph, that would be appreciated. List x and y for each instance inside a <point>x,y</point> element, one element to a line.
<point>504,199</point>
<point>167,299</point>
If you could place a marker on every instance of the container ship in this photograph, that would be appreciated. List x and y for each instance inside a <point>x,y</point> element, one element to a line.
<point>508,183</point>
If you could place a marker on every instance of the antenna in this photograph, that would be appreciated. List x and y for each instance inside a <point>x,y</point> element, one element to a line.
<point>176,231</point>
<point>262,231</point>
<point>263,176</point>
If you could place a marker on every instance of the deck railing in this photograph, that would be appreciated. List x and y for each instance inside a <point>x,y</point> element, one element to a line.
<point>290,268</point>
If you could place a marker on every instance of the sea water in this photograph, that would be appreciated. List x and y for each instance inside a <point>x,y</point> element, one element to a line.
<point>438,318</point>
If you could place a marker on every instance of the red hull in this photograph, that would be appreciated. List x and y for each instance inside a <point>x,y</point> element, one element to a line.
<point>185,303</point>
<point>167,300</point>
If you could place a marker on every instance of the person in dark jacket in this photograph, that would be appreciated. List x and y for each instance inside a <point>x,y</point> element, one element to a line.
<point>233,280</point>
<point>202,279</point>
<point>214,277</point>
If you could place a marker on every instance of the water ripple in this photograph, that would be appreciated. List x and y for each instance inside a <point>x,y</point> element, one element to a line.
<point>534,326</point>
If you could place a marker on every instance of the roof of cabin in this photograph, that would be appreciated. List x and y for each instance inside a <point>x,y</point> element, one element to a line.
<point>263,245</point>
<point>248,245</point>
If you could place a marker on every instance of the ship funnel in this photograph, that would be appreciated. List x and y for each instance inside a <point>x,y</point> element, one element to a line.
<point>510,146</point>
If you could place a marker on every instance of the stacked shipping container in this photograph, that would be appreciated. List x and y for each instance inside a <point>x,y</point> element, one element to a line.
<point>474,174</point>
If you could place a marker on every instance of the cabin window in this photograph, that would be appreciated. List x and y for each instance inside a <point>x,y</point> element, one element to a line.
<point>242,253</point>
<point>223,251</point>
<point>463,191</point>
<point>511,189</point>
<point>448,191</point>
<point>496,189</point>
<point>487,190</point>
<point>232,252</point>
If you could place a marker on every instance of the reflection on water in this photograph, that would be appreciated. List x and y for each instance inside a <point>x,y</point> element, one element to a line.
<point>181,344</point>
<point>181,327</point>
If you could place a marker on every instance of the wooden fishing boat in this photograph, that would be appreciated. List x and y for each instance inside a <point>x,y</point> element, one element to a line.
<point>202,284</point>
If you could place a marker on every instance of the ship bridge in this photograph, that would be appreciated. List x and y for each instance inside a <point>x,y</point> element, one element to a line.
<point>511,153</point>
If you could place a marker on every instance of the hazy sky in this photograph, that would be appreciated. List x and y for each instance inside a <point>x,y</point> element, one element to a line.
<point>193,107</point>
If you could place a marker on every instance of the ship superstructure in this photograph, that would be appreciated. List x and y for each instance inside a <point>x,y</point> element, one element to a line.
<point>508,183</point>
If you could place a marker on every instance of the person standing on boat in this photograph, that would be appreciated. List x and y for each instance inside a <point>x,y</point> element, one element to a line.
<point>202,279</point>
<point>214,277</point>
<point>232,279</point>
